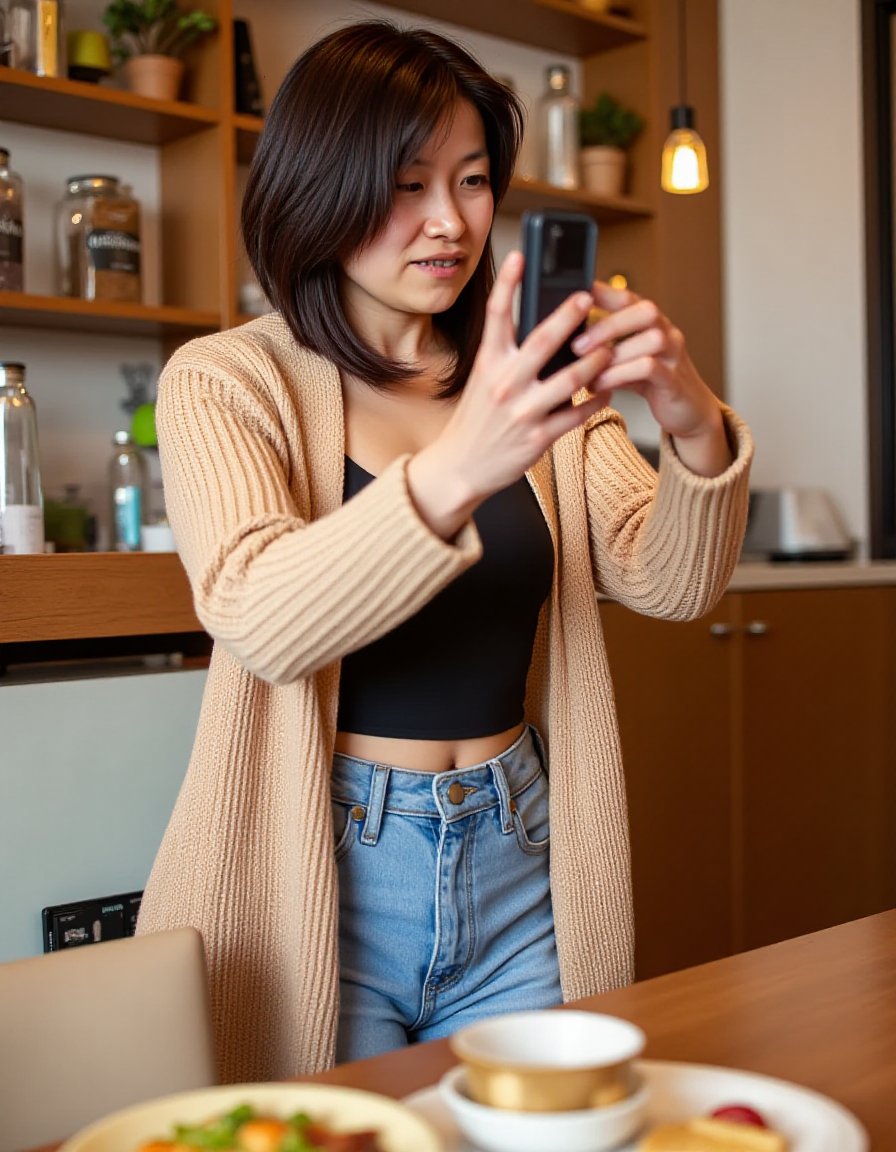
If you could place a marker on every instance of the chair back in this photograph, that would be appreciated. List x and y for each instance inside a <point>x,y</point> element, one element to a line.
<point>86,1031</point>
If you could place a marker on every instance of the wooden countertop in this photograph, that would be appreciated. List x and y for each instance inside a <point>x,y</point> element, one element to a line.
<point>91,595</point>
<point>819,1010</point>
<point>758,576</point>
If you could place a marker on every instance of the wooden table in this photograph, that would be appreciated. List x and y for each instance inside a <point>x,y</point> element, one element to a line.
<point>819,1010</point>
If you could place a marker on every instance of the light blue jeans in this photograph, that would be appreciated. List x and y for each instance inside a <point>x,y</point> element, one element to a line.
<point>444,897</point>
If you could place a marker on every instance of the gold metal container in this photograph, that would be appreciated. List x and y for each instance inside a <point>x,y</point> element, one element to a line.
<point>551,1061</point>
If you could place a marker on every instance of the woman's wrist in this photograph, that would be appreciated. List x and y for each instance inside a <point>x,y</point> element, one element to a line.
<point>706,451</point>
<point>443,498</point>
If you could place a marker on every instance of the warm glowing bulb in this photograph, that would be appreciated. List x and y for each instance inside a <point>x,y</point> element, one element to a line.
<point>684,168</point>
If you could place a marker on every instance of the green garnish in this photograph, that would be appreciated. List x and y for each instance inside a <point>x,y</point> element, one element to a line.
<point>220,1133</point>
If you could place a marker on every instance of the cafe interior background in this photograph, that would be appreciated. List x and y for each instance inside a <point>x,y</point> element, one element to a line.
<point>90,765</point>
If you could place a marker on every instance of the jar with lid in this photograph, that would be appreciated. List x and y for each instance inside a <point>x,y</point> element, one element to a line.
<point>558,130</point>
<point>11,226</point>
<point>21,498</point>
<point>98,240</point>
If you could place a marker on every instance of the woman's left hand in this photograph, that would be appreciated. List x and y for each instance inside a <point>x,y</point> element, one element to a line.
<point>650,357</point>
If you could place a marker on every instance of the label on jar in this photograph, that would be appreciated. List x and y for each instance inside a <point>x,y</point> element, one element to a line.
<point>11,233</point>
<point>21,529</point>
<point>114,251</point>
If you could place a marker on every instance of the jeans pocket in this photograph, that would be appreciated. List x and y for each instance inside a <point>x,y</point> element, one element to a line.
<point>343,828</point>
<point>531,816</point>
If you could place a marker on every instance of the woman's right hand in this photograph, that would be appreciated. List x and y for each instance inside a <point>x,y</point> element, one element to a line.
<point>505,418</point>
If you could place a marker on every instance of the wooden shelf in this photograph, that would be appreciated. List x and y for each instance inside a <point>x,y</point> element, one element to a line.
<point>524,194</point>
<point>248,129</point>
<point>559,25</point>
<point>93,594</point>
<point>72,106</point>
<point>104,316</point>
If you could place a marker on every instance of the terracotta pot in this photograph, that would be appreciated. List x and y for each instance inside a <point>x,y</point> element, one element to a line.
<point>156,76</point>
<point>603,170</point>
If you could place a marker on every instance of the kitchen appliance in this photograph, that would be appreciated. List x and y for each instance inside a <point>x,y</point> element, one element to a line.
<point>795,523</point>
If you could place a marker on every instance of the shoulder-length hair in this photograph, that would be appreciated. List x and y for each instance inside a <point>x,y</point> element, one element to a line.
<point>353,110</point>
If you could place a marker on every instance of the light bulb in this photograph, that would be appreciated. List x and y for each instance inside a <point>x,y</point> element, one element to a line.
<point>684,168</point>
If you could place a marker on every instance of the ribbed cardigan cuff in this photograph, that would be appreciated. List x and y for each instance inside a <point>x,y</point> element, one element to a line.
<point>665,546</point>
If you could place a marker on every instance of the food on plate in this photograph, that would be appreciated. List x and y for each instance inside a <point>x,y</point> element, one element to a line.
<point>711,1134</point>
<point>244,1130</point>
<point>741,1113</point>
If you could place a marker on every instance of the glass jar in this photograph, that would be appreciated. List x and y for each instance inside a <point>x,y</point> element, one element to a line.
<point>558,131</point>
<point>21,498</point>
<point>35,36</point>
<point>98,240</point>
<point>11,226</point>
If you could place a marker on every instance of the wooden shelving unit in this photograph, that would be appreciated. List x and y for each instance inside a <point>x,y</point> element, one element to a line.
<point>201,141</point>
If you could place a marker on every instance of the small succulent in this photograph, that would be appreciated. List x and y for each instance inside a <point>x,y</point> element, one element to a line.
<point>607,122</point>
<point>153,27</point>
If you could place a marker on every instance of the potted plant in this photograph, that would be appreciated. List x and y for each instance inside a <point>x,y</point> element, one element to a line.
<point>148,39</point>
<point>607,130</point>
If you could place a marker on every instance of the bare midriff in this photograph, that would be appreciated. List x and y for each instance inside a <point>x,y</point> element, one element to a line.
<point>426,755</point>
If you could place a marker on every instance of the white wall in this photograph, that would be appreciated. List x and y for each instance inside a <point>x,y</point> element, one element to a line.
<point>794,241</point>
<point>89,771</point>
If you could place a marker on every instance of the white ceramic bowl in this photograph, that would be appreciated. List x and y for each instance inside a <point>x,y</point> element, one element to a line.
<point>499,1130</point>
<point>549,1061</point>
<point>344,1109</point>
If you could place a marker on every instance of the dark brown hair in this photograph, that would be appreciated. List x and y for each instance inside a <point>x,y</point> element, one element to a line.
<point>353,110</point>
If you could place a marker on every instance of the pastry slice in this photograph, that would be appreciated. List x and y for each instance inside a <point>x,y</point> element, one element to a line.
<point>705,1134</point>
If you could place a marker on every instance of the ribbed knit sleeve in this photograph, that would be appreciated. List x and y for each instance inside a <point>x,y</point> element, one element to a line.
<point>286,593</point>
<point>665,545</point>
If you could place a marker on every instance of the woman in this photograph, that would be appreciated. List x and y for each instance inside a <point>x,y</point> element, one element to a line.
<point>394,532</point>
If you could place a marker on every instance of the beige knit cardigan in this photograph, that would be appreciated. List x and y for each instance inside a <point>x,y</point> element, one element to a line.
<point>288,579</point>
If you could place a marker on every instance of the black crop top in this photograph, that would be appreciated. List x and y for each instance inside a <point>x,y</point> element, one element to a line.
<point>457,668</point>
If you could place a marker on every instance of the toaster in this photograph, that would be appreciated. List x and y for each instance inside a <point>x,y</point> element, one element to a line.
<point>795,523</point>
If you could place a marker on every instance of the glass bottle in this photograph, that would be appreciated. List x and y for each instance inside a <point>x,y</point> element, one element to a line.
<point>12,234</point>
<point>35,31</point>
<point>127,489</point>
<point>21,499</point>
<point>558,131</point>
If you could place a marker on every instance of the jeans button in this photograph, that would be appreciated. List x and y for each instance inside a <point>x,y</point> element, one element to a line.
<point>357,813</point>
<point>456,793</point>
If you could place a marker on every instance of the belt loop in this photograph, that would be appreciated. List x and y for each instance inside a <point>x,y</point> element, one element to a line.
<point>379,782</point>
<point>503,791</point>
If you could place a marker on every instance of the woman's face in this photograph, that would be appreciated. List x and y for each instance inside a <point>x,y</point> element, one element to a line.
<point>430,247</point>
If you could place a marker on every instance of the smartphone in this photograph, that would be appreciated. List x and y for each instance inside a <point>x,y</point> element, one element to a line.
<point>560,250</point>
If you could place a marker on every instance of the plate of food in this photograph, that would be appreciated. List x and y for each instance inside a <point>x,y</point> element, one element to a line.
<point>262,1118</point>
<point>700,1108</point>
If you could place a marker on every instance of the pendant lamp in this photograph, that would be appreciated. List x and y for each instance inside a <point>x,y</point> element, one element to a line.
<point>684,168</point>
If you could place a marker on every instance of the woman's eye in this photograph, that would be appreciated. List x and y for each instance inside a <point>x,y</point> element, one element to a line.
<point>411,186</point>
<point>477,180</point>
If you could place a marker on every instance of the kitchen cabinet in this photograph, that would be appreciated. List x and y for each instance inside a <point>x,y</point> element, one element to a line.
<point>759,746</point>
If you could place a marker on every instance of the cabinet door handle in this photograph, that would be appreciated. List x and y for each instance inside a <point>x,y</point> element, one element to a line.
<point>720,628</point>
<point>757,628</point>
